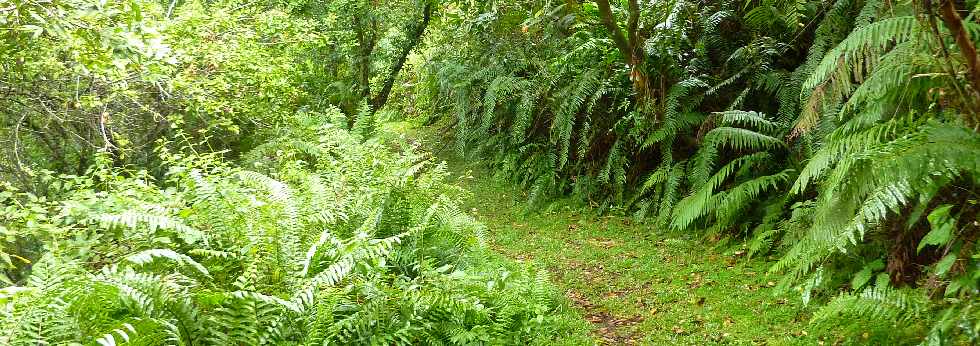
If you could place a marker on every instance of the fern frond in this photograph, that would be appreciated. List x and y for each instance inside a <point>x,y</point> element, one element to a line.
<point>148,256</point>
<point>696,205</point>
<point>132,219</point>
<point>863,45</point>
<point>880,303</point>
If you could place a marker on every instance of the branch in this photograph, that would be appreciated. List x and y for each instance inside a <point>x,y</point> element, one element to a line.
<point>949,69</point>
<point>605,13</point>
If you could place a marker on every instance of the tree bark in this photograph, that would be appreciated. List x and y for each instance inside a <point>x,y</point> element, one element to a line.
<point>953,22</point>
<point>415,37</point>
<point>633,26</point>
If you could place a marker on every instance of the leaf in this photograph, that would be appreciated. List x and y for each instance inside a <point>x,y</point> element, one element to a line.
<point>862,277</point>
<point>147,256</point>
<point>942,267</point>
<point>942,227</point>
<point>882,279</point>
<point>12,291</point>
<point>134,219</point>
<point>107,340</point>
<point>812,283</point>
<point>953,287</point>
<point>35,30</point>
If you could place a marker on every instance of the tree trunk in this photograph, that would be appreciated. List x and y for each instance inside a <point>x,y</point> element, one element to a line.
<point>953,22</point>
<point>415,37</point>
<point>629,45</point>
<point>605,13</point>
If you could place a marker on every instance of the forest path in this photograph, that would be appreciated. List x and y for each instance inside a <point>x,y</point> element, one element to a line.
<point>634,285</point>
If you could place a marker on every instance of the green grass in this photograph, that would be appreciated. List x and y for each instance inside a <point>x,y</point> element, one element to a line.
<point>635,284</point>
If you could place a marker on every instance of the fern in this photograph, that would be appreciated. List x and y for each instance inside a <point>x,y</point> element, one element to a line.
<point>148,256</point>
<point>134,219</point>
<point>695,205</point>
<point>860,51</point>
<point>876,303</point>
<point>572,99</point>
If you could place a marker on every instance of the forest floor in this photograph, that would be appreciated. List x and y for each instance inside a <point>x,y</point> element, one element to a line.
<point>636,285</point>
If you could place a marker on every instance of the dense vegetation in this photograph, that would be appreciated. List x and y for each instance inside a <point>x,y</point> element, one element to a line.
<point>837,135</point>
<point>219,172</point>
<point>170,181</point>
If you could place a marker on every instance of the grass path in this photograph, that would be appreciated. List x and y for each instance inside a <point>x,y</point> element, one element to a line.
<point>635,285</point>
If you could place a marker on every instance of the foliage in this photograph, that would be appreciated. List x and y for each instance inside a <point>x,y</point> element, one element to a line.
<point>642,288</point>
<point>820,132</point>
<point>186,172</point>
<point>197,192</point>
<point>216,254</point>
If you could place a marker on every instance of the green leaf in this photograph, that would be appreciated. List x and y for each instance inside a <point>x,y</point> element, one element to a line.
<point>944,264</point>
<point>882,279</point>
<point>953,287</point>
<point>811,284</point>
<point>862,277</point>
<point>35,30</point>
<point>942,227</point>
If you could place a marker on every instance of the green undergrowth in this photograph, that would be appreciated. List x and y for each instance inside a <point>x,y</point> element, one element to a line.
<point>323,236</point>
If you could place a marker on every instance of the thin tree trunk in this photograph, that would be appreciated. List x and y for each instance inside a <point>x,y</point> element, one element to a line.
<point>415,38</point>
<point>629,45</point>
<point>605,13</point>
<point>365,45</point>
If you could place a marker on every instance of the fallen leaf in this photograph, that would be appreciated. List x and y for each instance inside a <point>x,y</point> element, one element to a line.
<point>728,322</point>
<point>613,294</point>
